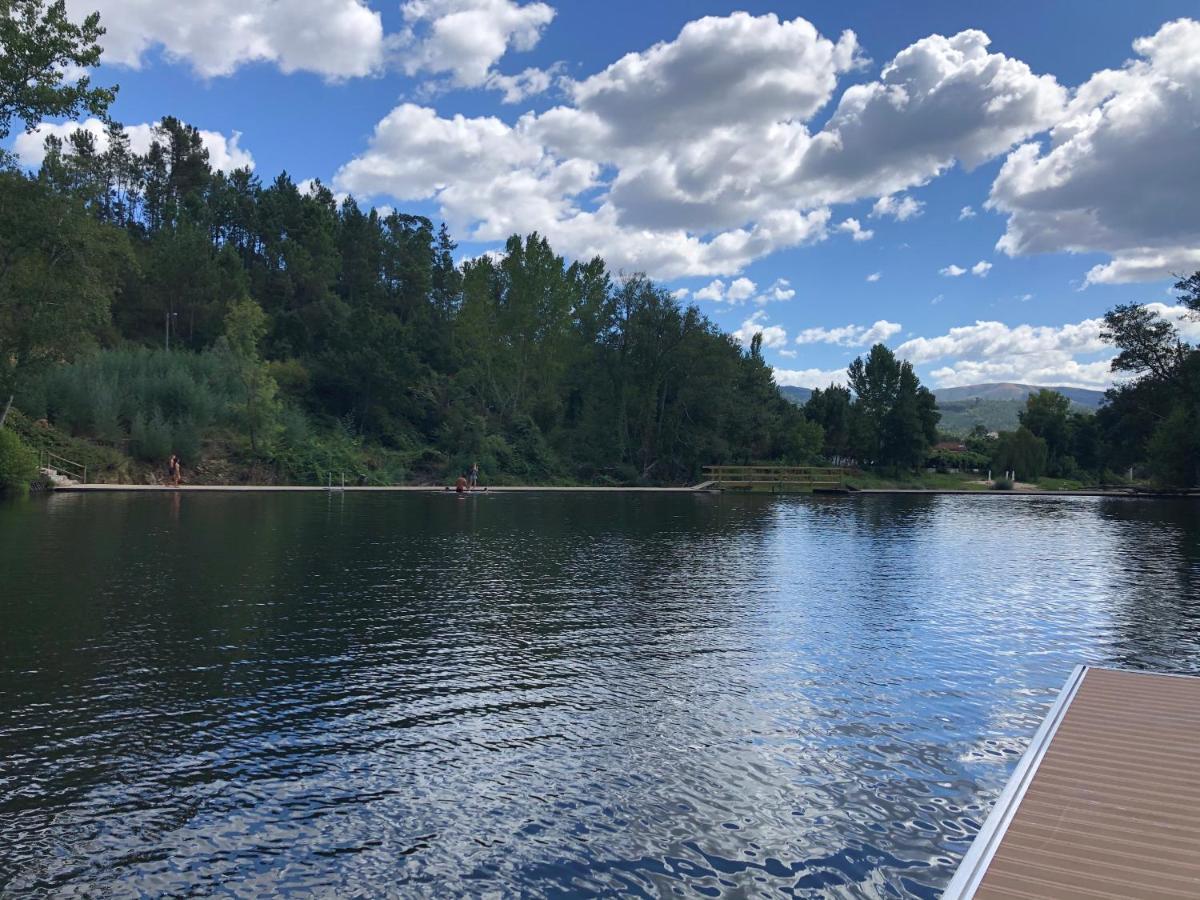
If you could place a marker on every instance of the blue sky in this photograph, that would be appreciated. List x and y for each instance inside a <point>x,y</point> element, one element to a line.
<point>799,169</point>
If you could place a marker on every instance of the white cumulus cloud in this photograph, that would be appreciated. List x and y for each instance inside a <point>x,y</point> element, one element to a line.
<point>225,152</point>
<point>809,378</point>
<point>773,336</point>
<point>334,38</point>
<point>694,157</point>
<point>1119,174</point>
<point>874,276</point>
<point>966,213</point>
<point>952,271</point>
<point>464,39</point>
<point>854,228</point>
<point>850,335</point>
<point>981,268</point>
<point>900,208</point>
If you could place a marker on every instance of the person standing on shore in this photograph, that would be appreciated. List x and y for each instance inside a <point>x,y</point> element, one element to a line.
<point>474,476</point>
<point>174,470</point>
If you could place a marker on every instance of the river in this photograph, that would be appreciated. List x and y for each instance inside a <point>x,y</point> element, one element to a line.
<point>549,695</point>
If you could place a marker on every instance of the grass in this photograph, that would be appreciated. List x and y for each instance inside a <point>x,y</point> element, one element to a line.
<point>928,481</point>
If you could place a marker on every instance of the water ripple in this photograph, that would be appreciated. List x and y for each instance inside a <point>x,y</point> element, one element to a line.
<point>549,696</point>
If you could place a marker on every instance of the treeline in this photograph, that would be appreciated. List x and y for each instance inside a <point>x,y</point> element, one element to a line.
<point>152,304</point>
<point>1149,423</point>
<point>151,301</point>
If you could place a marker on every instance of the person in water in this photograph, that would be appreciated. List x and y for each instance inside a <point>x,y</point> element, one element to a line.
<point>474,476</point>
<point>174,470</point>
<point>460,486</point>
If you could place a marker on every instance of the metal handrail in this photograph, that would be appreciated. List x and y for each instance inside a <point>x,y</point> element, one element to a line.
<point>59,462</point>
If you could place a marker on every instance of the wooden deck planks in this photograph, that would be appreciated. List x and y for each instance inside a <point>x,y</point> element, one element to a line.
<point>1106,802</point>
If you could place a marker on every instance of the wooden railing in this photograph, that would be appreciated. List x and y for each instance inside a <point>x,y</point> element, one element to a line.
<point>777,478</point>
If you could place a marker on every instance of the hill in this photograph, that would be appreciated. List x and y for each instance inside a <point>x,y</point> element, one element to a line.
<point>1009,391</point>
<point>798,395</point>
<point>994,406</point>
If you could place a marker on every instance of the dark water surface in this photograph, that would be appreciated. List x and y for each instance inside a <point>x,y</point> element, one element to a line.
<point>547,695</point>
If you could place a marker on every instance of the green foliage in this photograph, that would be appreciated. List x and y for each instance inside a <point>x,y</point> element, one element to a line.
<point>364,348</point>
<point>1002,484</point>
<point>60,272</point>
<point>1174,449</point>
<point>159,402</point>
<point>39,43</point>
<point>258,407</point>
<point>1156,417</point>
<point>894,418</point>
<point>1022,453</point>
<point>18,463</point>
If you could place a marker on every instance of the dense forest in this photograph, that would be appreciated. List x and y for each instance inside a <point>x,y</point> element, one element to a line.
<point>151,305</point>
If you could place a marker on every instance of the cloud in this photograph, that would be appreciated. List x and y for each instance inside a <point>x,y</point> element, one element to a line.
<point>516,88</point>
<point>940,100</point>
<point>981,268</point>
<point>874,276</point>
<point>714,290</point>
<point>741,289</point>
<point>952,271</point>
<point>1029,354</point>
<point>680,293</point>
<point>694,157</point>
<point>224,153</point>
<point>809,378</point>
<point>966,213</point>
<point>464,39</point>
<point>334,38</point>
<point>898,207</point>
<point>850,335</point>
<point>1120,174</point>
<point>772,335</point>
<point>781,289</point>
<point>855,230</point>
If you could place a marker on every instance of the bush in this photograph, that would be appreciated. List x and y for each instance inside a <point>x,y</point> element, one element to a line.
<point>160,401</point>
<point>150,439</point>
<point>18,463</point>
<point>1002,484</point>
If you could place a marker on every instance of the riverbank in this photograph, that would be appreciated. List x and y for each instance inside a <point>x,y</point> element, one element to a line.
<point>704,488</point>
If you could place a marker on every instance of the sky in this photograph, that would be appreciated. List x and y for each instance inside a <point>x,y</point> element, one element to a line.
<point>973,184</point>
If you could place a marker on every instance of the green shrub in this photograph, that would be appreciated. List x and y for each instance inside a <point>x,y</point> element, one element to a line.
<point>18,463</point>
<point>1002,484</point>
<point>156,399</point>
<point>150,438</point>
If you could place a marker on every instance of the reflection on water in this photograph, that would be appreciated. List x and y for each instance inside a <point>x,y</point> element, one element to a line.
<point>548,695</point>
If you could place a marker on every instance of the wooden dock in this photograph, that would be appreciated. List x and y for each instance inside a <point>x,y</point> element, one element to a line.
<point>1105,803</point>
<point>776,479</point>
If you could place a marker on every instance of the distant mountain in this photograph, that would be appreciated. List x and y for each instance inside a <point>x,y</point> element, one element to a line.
<point>994,406</point>
<point>797,395</point>
<point>1008,391</point>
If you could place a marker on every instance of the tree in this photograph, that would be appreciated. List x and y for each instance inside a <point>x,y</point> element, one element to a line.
<point>1022,453</point>
<point>59,270</point>
<point>876,381</point>
<point>831,408</point>
<point>1046,415</point>
<point>896,418</point>
<point>39,43</point>
<point>1154,417</point>
<point>245,326</point>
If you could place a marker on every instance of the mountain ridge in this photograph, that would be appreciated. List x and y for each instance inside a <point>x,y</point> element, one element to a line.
<point>1009,390</point>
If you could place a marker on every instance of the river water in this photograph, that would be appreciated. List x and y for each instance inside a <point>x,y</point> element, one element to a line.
<point>548,695</point>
